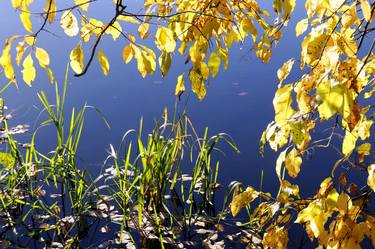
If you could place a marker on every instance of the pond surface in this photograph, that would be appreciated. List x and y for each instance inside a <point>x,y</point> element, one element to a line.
<point>238,102</point>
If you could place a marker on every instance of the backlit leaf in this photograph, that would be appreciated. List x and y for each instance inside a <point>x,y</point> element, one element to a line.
<point>242,199</point>
<point>28,71</point>
<point>164,40</point>
<point>42,57</point>
<point>301,26</point>
<point>282,104</point>
<point>180,86</point>
<point>214,64</point>
<point>103,61</point>
<point>69,23</point>
<point>76,59</point>
<point>293,163</point>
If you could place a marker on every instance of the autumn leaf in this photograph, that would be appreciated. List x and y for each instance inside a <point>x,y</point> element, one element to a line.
<point>371,176</point>
<point>69,23</point>
<point>127,53</point>
<point>164,40</point>
<point>180,86</point>
<point>284,71</point>
<point>143,30</point>
<point>348,143</point>
<point>301,26</point>
<point>214,64</point>
<point>28,71</point>
<point>83,4</point>
<point>282,104</point>
<point>42,57</point>
<point>103,61</point>
<point>76,59</point>
<point>293,163</point>
<point>242,199</point>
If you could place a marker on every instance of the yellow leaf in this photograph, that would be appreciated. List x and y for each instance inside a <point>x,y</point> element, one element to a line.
<point>279,163</point>
<point>313,47</point>
<point>214,64</point>
<point>114,30</point>
<point>20,49</point>
<point>315,217</point>
<point>128,19</point>
<point>349,17</point>
<point>346,42</point>
<point>76,59</point>
<point>83,4</point>
<point>247,25</point>
<point>69,23</point>
<point>348,144</point>
<point>25,17</point>
<point>366,10</point>
<point>293,163</point>
<point>7,160</point>
<point>165,61</point>
<point>371,176</point>
<point>276,237</point>
<point>301,26</point>
<point>164,40</point>
<point>30,40</point>
<point>50,9</point>
<point>284,71</point>
<point>16,3</point>
<point>143,30</point>
<point>6,62</point>
<point>335,99</point>
<point>242,199</point>
<point>103,61</point>
<point>198,86</point>
<point>363,150</point>
<point>28,71</point>
<point>128,53</point>
<point>42,57</point>
<point>282,104</point>
<point>204,70</point>
<point>180,86</point>
<point>146,63</point>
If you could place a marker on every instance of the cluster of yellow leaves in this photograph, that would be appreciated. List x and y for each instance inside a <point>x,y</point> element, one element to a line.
<point>192,28</point>
<point>347,226</point>
<point>336,77</point>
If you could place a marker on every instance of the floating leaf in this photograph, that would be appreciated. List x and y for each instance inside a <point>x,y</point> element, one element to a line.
<point>7,160</point>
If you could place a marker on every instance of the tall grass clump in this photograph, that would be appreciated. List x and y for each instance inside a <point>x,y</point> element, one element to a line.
<point>155,190</point>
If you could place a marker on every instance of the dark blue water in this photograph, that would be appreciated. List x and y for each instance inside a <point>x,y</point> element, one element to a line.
<point>238,101</point>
